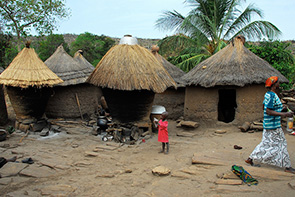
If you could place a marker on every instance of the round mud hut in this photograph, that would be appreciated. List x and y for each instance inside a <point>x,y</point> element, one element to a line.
<point>129,76</point>
<point>28,82</point>
<point>172,99</point>
<point>73,98</point>
<point>3,109</point>
<point>228,86</point>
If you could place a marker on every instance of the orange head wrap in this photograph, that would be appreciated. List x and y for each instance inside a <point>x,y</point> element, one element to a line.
<point>270,81</point>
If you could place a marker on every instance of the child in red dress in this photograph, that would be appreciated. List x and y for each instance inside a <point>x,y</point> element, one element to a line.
<point>163,132</point>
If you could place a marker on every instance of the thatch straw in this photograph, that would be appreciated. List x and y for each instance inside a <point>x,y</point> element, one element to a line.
<point>131,67</point>
<point>175,72</point>
<point>87,68</point>
<point>28,70</point>
<point>233,65</point>
<point>67,68</point>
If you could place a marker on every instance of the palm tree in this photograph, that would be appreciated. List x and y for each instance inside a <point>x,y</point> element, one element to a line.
<point>208,26</point>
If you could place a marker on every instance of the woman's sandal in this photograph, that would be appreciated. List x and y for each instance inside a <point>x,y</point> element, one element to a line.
<point>290,170</point>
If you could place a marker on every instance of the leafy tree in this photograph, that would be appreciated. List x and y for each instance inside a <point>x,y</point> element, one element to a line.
<point>209,24</point>
<point>279,56</point>
<point>94,47</point>
<point>19,17</point>
<point>47,46</point>
<point>7,49</point>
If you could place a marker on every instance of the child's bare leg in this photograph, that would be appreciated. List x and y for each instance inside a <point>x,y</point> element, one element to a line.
<point>163,147</point>
<point>167,150</point>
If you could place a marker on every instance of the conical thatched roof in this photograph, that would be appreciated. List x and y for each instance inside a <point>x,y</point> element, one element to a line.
<point>26,70</point>
<point>233,65</point>
<point>175,72</point>
<point>131,67</point>
<point>67,68</point>
<point>88,68</point>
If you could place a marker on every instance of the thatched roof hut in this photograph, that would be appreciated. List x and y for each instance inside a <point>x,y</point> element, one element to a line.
<point>27,80</point>
<point>3,109</point>
<point>229,85</point>
<point>87,68</point>
<point>69,70</point>
<point>172,99</point>
<point>131,72</point>
<point>131,67</point>
<point>74,97</point>
<point>28,70</point>
<point>233,65</point>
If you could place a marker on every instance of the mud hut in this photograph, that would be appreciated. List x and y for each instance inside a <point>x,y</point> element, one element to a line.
<point>3,109</point>
<point>129,76</point>
<point>28,82</point>
<point>228,86</point>
<point>172,99</point>
<point>73,98</point>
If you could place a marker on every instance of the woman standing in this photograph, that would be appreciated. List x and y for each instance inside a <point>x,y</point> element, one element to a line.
<point>273,146</point>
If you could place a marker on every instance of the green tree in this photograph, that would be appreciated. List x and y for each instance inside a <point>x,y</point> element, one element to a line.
<point>94,47</point>
<point>279,56</point>
<point>47,46</point>
<point>19,17</point>
<point>7,49</point>
<point>211,23</point>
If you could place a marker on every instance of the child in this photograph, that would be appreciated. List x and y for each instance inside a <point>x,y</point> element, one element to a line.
<point>162,125</point>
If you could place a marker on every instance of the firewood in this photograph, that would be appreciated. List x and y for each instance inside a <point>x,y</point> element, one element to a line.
<point>256,127</point>
<point>245,127</point>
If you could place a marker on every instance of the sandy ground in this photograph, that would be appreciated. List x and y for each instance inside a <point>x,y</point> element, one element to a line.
<point>77,163</point>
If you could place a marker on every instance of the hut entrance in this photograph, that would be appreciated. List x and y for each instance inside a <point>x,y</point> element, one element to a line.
<point>227,105</point>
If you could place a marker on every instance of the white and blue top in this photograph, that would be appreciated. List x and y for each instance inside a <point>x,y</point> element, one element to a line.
<point>273,102</point>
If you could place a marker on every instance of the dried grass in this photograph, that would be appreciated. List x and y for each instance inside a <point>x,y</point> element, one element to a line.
<point>131,67</point>
<point>233,65</point>
<point>28,70</point>
<point>175,72</point>
<point>69,70</point>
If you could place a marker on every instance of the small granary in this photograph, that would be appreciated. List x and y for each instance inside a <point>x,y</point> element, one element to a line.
<point>73,98</point>
<point>3,109</point>
<point>129,76</point>
<point>28,82</point>
<point>172,99</point>
<point>228,86</point>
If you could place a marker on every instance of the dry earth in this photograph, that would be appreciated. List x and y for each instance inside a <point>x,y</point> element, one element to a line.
<point>76,163</point>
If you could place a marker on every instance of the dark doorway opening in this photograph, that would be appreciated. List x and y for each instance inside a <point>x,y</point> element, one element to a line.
<point>227,105</point>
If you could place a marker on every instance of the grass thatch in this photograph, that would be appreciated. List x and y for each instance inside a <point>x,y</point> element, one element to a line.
<point>87,68</point>
<point>131,67</point>
<point>28,70</point>
<point>67,68</point>
<point>233,65</point>
<point>175,72</point>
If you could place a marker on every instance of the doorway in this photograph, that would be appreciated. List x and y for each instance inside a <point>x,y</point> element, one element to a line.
<point>227,105</point>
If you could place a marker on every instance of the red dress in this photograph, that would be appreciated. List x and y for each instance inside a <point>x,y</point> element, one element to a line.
<point>163,131</point>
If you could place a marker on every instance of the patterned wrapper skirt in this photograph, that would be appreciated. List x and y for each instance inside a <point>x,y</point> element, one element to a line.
<point>272,149</point>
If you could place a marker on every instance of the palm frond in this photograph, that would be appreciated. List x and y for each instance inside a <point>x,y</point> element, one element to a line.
<point>189,61</point>
<point>170,20</point>
<point>243,19</point>
<point>259,29</point>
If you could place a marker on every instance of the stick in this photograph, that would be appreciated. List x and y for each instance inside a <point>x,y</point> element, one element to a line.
<point>79,106</point>
<point>24,136</point>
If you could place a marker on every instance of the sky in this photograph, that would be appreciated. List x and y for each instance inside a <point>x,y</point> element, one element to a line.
<point>115,18</point>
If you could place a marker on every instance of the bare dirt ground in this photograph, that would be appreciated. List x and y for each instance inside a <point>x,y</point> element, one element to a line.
<point>76,163</point>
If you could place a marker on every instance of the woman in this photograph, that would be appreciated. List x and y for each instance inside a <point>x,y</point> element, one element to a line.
<point>273,146</point>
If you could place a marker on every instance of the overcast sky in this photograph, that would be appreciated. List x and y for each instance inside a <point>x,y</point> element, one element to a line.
<point>115,18</point>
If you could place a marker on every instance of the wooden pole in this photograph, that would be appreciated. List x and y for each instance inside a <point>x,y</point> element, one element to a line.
<point>79,106</point>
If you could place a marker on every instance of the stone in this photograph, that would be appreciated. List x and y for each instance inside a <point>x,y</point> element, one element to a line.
<point>37,172</point>
<point>12,169</point>
<point>57,190</point>
<point>161,171</point>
